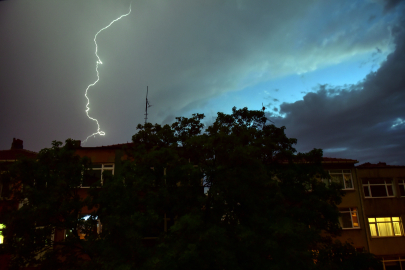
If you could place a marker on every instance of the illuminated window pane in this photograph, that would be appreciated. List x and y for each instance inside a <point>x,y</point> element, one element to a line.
<point>373,230</point>
<point>2,226</point>
<point>371,219</point>
<point>397,228</point>
<point>383,219</point>
<point>384,229</point>
<point>355,220</point>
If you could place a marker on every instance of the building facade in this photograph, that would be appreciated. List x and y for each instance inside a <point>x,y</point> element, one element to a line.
<point>372,210</point>
<point>7,158</point>
<point>382,196</point>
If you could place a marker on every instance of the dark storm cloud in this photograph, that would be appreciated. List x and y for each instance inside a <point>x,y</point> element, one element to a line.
<point>187,52</point>
<point>365,121</point>
<point>390,4</point>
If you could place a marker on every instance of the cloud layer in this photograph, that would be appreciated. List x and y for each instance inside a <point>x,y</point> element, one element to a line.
<point>187,52</point>
<point>364,121</point>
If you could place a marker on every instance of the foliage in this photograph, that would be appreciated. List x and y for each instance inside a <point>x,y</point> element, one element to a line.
<point>264,206</point>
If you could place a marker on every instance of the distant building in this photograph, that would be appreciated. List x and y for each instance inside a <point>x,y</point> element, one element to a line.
<point>372,211</point>
<point>7,157</point>
<point>382,193</point>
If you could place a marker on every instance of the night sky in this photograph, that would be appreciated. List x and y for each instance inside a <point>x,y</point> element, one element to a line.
<point>331,72</point>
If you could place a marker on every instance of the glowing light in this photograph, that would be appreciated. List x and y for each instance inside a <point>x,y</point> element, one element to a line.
<point>99,132</point>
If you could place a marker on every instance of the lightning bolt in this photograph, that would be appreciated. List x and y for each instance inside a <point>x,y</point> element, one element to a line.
<point>99,132</point>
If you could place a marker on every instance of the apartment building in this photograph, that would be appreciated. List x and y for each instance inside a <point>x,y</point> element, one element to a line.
<point>8,157</point>
<point>343,171</point>
<point>382,196</point>
<point>372,211</point>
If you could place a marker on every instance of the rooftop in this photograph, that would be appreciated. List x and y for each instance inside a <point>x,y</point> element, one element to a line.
<point>378,165</point>
<point>338,160</point>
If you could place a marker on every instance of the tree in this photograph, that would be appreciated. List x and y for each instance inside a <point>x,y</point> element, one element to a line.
<point>264,206</point>
<point>46,188</point>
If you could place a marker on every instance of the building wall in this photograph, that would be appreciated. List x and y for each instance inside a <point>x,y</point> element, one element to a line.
<point>356,236</point>
<point>384,207</point>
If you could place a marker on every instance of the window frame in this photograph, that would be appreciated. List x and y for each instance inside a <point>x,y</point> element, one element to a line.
<point>401,186</point>
<point>400,259</point>
<point>342,173</point>
<point>351,211</point>
<point>368,185</point>
<point>51,236</point>
<point>82,236</point>
<point>104,167</point>
<point>2,226</point>
<point>391,222</point>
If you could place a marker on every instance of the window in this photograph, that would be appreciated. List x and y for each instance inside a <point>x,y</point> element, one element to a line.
<point>394,263</point>
<point>2,226</point>
<point>377,188</point>
<point>348,218</point>
<point>99,172</point>
<point>342,177</point>
<point>4,189</point>
<point>385,226</point>
<point>46,234</point>
<point>92,226</point>
<point>401,184</point>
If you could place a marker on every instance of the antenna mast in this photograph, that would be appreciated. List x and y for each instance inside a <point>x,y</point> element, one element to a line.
<point>147,105</point>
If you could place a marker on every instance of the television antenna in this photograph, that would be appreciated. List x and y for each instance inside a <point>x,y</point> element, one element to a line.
<point>147,105</point>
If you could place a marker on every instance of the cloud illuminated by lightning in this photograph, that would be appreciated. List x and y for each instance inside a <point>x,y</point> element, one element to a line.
<point>99,132</point>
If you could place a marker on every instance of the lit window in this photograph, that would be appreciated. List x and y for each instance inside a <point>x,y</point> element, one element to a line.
<point>377,188</point>
<point>342,177</point>
<point>99,173</point>
<point>349,218</point>
<point>2,226</point>
<point>95,228</point>
<point>385,226</point>
<point>401,183</point>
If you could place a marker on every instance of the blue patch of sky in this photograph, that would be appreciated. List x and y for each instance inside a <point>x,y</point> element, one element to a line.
<point>294,87</point>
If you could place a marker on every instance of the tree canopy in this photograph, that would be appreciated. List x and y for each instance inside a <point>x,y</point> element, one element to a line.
<point>234,195</point>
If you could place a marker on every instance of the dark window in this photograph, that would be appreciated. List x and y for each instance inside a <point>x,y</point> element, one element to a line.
<point>401,184</point>
<point>348,218</point>
<point>91,177</point>
<point>378,187</point>
<point>98,174</point>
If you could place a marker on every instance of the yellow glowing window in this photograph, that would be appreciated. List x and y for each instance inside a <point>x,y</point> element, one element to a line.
<point>2,226</point>
<point>385,226</point>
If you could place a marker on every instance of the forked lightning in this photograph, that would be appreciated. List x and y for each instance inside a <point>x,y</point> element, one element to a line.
<point>99,132</point>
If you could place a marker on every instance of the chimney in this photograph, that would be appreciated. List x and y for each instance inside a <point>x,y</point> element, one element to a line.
<point>77,143</point>
<point>17,144</point>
